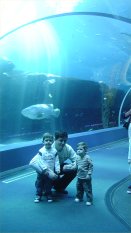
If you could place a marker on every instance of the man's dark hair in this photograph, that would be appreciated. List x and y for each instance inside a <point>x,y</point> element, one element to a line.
<point>61,134</point>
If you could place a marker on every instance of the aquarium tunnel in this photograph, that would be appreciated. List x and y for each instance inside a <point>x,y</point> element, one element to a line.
<point>64,65</point>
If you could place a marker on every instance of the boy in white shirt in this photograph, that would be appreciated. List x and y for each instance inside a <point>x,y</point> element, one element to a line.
<point>46,164</point>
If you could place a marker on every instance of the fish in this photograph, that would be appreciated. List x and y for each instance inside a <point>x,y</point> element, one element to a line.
<point>41,111</point>
<point>50,95</point>
<point>51,81</point>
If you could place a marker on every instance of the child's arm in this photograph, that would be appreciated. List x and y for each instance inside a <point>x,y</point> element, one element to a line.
<point>35,164</point>
<point>90,169</point>
<point>42,163</point>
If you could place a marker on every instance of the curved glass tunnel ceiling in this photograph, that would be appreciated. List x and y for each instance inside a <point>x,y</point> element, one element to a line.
<point>86,51</point>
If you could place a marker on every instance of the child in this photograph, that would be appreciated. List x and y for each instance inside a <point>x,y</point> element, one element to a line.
<point>46,164</point>
<point>84,171</point>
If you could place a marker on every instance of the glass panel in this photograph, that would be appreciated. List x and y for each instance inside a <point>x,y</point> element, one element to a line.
<point>70,72</point>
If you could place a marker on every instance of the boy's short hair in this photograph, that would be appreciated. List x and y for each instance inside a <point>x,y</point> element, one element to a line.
<point>48,135</point>
<point>61,134</point>
<point>83,144</point>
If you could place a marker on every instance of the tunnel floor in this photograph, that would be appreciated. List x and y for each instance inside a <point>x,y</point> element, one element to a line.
<point>110,211</point>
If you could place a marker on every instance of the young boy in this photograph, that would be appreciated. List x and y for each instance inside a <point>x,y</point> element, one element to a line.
<point>84,171</point>
<point>46,164</point>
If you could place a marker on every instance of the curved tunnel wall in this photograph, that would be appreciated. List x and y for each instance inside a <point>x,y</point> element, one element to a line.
<point>13,157</point>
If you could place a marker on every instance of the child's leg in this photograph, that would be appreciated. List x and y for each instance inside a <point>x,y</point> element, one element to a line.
<point>39,184</point>
<point>48,185</point>
<point>79,189</point>
<point>87,184</point>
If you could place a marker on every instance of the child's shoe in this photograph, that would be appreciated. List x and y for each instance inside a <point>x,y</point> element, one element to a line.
<point>49,199</point>
<point>129,191</point>
<point>88,203</point>
<point>37,199</point>
<point>77,200</point>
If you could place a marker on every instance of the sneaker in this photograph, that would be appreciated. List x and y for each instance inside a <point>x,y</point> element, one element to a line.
<point>88,203</point>
<point>129,191</point>
<point>37,199</point>
<point>78,200</point>
<point>49,199</point>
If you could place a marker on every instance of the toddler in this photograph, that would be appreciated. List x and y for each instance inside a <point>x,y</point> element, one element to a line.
<point>84,172</point>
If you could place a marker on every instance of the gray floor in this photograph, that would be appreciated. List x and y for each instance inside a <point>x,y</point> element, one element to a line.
<point>119,202</point>
<point>20,214</point>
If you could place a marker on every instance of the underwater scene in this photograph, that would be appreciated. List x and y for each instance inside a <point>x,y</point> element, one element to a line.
<point>68,72</point>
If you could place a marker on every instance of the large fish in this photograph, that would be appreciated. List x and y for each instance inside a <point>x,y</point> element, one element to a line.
<point>40,111</point>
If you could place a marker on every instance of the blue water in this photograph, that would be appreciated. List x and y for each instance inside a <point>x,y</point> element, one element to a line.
<point>80,64</point>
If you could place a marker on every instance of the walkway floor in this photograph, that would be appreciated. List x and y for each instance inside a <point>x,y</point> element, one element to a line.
<point>109,213</point>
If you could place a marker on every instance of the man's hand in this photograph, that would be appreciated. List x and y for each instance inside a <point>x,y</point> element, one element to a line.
<point>49,173</point>
<point>67,167</point>
<point>57,172</point>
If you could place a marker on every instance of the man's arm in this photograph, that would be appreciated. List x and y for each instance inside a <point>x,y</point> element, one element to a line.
<point>72,155</point>
<point>57,164</point>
